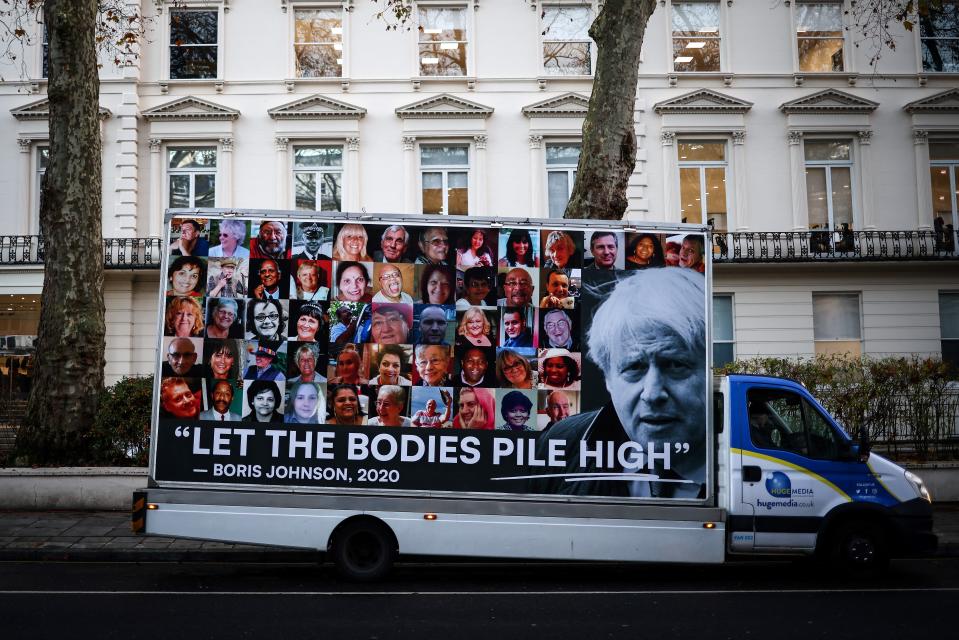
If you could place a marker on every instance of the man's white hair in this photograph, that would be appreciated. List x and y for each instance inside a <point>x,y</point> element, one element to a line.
<point>665,301</point>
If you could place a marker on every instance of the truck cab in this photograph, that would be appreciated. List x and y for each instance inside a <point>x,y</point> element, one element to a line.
<point>798,483</point>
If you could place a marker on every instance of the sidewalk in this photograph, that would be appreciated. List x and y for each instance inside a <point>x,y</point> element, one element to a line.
<point>106,536</point>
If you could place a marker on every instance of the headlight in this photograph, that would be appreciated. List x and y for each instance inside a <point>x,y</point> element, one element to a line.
<point>918,485</point>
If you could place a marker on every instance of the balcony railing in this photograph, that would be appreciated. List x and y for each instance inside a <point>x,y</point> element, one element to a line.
<point>740,247</point>
<point>118,253</point>
<point>833,246</point>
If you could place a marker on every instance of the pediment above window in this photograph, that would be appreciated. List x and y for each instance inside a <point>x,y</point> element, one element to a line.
<point>703,101</point>
<point>829,101</point>
<point>317,107</point>
<point>190,108</point>
<point>444,106</point>
<point>945,102</point>
<point>568,105</point>
<point>40,110</point>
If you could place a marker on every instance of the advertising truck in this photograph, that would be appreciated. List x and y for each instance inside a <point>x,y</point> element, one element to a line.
<point>369,385</point>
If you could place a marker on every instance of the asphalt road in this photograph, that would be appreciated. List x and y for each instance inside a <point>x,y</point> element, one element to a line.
<point>460,601</point>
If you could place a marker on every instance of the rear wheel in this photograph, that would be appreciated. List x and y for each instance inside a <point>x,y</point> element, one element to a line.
<point>860,547</point>
<point>363,551</point>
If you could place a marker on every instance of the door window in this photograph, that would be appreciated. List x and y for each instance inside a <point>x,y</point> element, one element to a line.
<point>785,421</point>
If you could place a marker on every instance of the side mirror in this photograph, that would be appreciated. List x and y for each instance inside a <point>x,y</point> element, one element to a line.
<point>864,445</point>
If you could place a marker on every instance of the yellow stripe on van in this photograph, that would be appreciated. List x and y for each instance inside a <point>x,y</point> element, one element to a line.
<point>793,466</point>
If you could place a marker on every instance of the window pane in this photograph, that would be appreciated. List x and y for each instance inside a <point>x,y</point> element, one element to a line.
<point>193,27</point>
<point>566,23</point>
<point>449,155</point>
<point>567,58</point>
<point>775,420</point>
<point>836,316</point>
<point>949,315</point>
<point>716,197</point>
<point>43,157</point>
<point>702,151</point>
<point>443,59</point>
<point>457,194</point>
<point>558,191</point>
<point>820,55</point>
<point>318,61</point>
<point>940,55</point>
<point>432,192</point>
<point>331,192</point>
<point>823,441</point>
<point>722,318</point>
<point>819,18</point>
<point>563,154</point>
<point>179,191</point>
<point>722,354</point>
<point>941,196</point>
<point>325,156</point>
<point>304,185</point>
<point>192,158</point>
<point>823,150</point>
<point>690,196</point>
<point>695,18</point>
<point>696,54</point>
<point>204,191</point>
<point>318,25</point>
<point>816,198</point>
<point>438,25</point>
<point>841,197</point>
<point>944,150</point>
<point>941,20</point>
<point>188,62</point>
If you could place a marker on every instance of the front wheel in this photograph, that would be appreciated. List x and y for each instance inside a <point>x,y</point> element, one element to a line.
<point>363,551</point>
<point>861,547</point>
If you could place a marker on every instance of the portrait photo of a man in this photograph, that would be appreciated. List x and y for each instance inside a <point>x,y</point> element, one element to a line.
<point>652,357</point>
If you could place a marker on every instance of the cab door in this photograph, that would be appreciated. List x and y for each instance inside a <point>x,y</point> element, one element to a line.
<point>794,463</point>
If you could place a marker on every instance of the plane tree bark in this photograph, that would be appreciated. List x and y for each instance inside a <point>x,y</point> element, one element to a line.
<point>68,369</point>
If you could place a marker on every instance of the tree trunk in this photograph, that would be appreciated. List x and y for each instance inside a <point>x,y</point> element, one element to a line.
<point>609,139</point>
<point>68,373</point>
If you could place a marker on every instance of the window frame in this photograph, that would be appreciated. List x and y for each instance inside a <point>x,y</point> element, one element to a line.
<point>544,37</point>
<point>569,170</point>
<point>193,5</point>
<point>317,171</point>
<point>306,5</point>
<point>919,48</point>
<point>952,166</point>
<point>36,181</point>
<point>835,341</point>
<point>445,170</point>
<point>723,29</point>
<point>953,359</point>
<point>732,325</point>
<point>847,59</point>
<point>468,9</point>
<point>702,165</point>
<point>192,172</point>
<point>831,238</point>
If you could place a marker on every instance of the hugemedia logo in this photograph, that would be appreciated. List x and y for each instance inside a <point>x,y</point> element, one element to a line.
<point>778,485</point>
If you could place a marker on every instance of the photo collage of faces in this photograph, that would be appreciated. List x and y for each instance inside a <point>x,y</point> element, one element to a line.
<point>392,325</point>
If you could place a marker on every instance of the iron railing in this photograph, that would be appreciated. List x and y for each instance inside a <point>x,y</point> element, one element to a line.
<point>833,246</point>
<point>739,247</point>
<point>118,253</point>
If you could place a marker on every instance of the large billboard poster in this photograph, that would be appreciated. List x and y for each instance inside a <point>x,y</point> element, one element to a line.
<point>334,353</point>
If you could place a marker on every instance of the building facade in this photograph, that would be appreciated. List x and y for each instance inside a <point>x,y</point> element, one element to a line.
<point>832,184</point>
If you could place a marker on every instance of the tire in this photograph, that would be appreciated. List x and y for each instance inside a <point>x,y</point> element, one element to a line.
<point>860,547</point>
<point>363,551</point>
